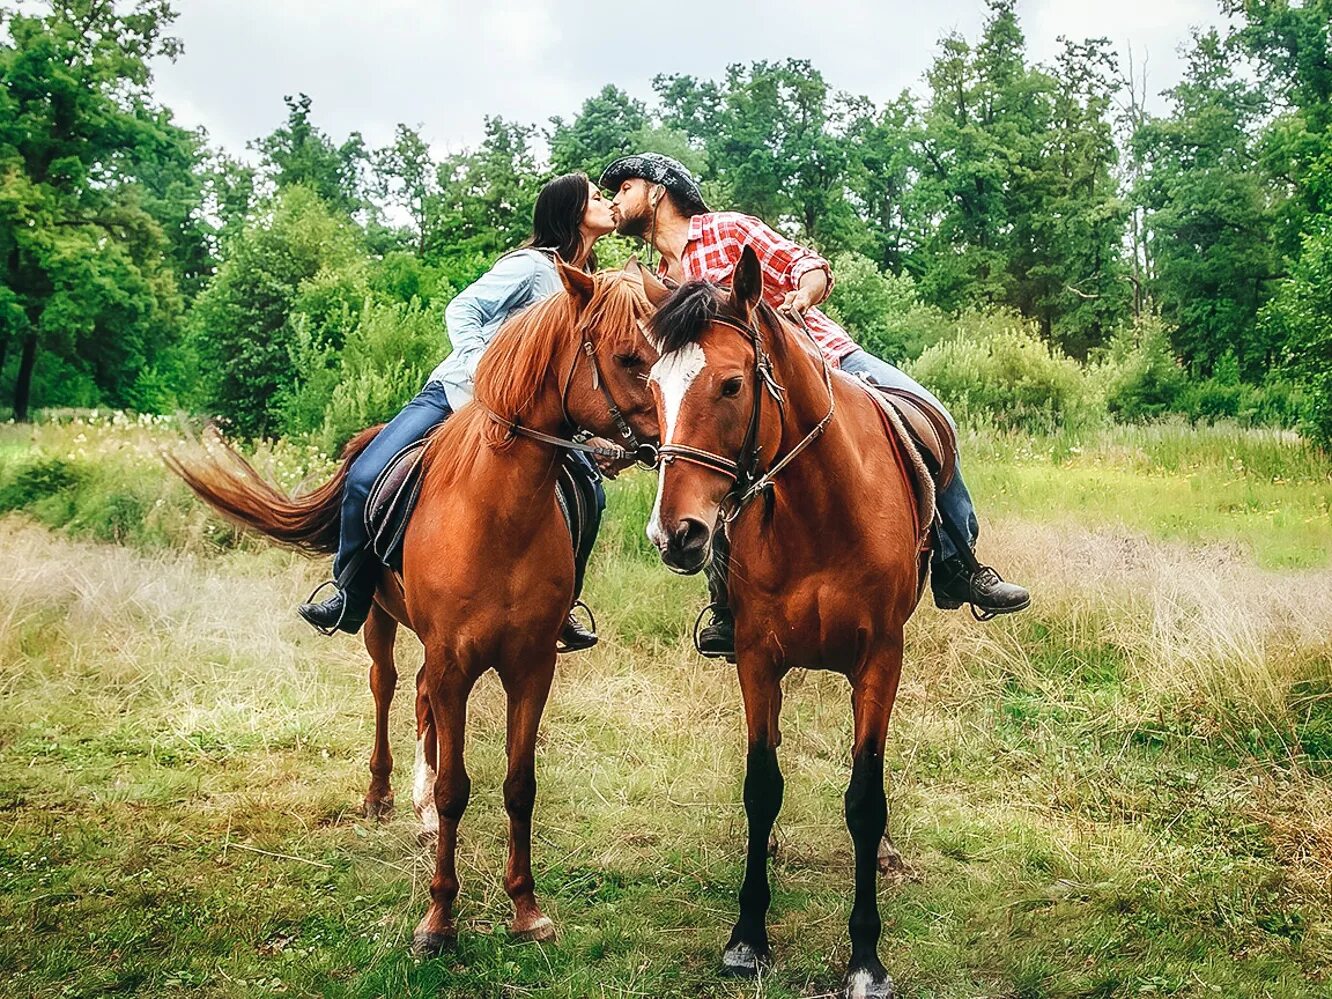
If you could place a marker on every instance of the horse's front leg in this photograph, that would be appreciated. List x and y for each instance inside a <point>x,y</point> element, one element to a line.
<point>448,687</point>
<point>874,688</point>
<point>380,629</point>
<point>760,686</point>
<point>526,687</point>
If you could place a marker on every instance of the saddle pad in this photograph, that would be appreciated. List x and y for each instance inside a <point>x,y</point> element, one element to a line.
<point>392,498</point>
<point>927,426</point>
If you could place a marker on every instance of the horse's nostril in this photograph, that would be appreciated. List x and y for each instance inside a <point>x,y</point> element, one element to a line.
<point>690,536</point>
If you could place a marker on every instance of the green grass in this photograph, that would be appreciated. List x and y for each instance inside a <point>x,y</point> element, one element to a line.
<point>1125,791</point>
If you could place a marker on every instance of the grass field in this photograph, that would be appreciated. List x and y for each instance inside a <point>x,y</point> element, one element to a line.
<point>1126,791</point>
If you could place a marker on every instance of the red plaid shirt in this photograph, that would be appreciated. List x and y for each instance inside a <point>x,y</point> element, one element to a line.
<point>713,249</point>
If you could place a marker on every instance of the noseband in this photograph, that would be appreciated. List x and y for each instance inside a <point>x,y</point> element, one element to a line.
<point>744,469</point>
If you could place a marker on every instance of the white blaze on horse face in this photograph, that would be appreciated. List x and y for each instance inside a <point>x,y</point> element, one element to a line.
<point>673,373</point>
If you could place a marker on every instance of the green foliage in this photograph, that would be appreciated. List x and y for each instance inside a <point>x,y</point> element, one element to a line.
<point>1301,312</point>
<point>97,231</point>
<point>384,363</point>
<point>295,258</point>
<point>883,312</point>
<point>1012,379</point>
<point>607,126</point>
<point>1142,375</point>
<point>298,154</point>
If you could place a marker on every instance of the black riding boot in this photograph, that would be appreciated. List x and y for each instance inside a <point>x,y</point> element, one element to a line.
<point>717,640</point>
<point>349,606</point>
<point>955,583</point>
<point>574,637</point>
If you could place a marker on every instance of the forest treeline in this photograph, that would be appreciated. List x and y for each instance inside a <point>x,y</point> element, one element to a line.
<point>1029,237</point>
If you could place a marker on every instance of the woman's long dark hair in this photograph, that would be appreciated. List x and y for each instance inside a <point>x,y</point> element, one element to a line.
<point>558,214</point>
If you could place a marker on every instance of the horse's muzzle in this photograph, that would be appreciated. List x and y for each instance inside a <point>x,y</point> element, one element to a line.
<point>687,547</point>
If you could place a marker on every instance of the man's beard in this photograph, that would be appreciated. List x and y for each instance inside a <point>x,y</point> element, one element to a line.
<point>636,225</point>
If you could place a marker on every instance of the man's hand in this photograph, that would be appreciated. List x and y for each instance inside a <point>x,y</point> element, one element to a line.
<point>800,301</point>
<point>608,467</point>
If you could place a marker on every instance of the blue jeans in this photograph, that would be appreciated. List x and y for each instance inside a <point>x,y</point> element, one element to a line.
<point>427,410</point>
<point>954,502</point>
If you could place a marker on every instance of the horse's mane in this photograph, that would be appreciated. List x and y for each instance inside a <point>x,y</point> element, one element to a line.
<point>693,307</point>
<point>515,365</point>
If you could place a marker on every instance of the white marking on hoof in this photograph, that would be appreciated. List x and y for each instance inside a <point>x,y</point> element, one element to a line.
<point>866,985</point>
<point>423,792</point>
<point>542,929</point>
<point>740,960</point>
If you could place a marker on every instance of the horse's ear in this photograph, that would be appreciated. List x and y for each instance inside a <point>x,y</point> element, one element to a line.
<point>577,282</point>
<point>656,292</point>
<point>747,282</point>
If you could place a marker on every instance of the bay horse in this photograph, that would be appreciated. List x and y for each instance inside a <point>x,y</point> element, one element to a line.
<point>487,574</point>
<point>824,561</point>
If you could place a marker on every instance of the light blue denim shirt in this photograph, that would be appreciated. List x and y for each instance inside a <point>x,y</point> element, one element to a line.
<point>474,317</point>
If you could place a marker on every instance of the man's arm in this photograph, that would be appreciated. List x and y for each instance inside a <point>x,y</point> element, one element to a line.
<point>804,277</point>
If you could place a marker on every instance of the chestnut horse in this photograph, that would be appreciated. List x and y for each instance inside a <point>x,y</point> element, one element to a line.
<point>823,561</point>
<point>487,575</point>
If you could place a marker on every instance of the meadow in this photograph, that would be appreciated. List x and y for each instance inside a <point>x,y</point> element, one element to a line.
<point>1125,791</point>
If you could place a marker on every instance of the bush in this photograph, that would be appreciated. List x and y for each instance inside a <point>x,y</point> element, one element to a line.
<point>1298,316</point>
<point>883,312</point>
<point>384,363</point>
<point>1142,377</point>
<point>1012,379</point>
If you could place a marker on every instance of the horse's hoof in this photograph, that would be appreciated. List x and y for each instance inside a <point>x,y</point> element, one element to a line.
<point>867,984</point>
<point>377,808</point>
<point>427,944</point>
<point>537,931</point>
<point>741,961</point>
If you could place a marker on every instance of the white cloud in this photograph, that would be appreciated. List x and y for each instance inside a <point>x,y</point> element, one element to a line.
<point>445,64</point>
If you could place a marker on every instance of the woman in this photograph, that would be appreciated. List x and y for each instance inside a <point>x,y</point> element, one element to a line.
<point>570,216</point>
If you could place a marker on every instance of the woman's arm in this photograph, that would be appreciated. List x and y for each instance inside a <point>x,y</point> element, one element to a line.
<point>471,316</point>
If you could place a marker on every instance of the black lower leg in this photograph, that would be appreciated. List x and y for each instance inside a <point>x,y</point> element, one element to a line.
<point>718,574</point>
<point>866,818</point>
<point>763,800</point>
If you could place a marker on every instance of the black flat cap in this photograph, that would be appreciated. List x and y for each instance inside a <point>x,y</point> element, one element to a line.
<point>657,169</point>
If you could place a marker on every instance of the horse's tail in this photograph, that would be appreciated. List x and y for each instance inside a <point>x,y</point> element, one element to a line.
<point>230,485</point>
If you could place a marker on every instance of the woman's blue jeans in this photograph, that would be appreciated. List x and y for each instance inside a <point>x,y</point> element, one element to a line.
<point>955,501</point>
<point>426,411</point>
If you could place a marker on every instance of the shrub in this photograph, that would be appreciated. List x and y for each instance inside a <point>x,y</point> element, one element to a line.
<point>1012,379</point>
<point>883,312</point>
<point>1142,377</point>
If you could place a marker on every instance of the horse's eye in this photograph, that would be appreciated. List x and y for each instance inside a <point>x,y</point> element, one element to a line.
<point>732,386</point>
<point>629,361</point>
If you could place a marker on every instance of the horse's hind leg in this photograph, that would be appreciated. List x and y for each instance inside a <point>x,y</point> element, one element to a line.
<point>380,630</point>
<point>527,690</point>
<point>448,688</point>
<point>760,686</point>
<point>874,689</point>
<point>423,772</point>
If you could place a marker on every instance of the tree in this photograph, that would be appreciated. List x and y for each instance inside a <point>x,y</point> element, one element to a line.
<point>1210,213</point>
<point>299,153</point>
<point>241,323</point>
<point>405,174</point>
<point>607,127</point>
<point>90,170</point>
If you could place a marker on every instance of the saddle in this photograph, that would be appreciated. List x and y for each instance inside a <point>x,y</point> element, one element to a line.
<point>393,497</point>
<point>928,428</point>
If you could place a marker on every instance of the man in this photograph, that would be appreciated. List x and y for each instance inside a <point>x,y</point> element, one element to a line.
<point>657,200</point>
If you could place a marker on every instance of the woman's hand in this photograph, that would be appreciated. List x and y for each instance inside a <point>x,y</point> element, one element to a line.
<point>609,467</point>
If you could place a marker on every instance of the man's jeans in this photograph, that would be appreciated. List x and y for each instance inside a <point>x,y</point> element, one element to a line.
<point>426,411</point>
<point>954,502</point>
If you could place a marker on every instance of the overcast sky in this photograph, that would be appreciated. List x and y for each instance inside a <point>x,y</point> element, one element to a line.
<point>443,65</point>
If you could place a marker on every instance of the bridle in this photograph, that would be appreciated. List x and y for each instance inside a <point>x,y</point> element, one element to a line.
<point>635,450</point>
<point>743,470</point>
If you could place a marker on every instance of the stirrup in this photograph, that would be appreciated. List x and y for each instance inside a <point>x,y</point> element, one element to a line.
<point>562,649</point>
<point>328,632</point>
<point>712,609</point>
<point>976,612</point>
